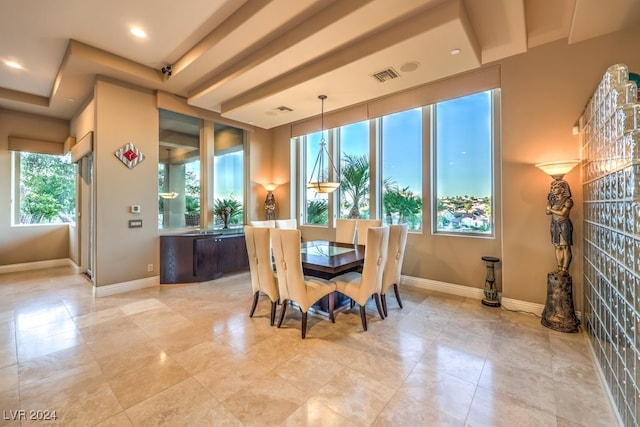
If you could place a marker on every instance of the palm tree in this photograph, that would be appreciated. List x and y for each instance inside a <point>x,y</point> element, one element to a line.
<point>355,181</point>
<point>317,212</point>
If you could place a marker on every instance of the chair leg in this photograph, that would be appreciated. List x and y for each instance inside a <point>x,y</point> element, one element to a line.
<point>397,291</point>
<point>378,306</point>
<point>304,324</point>
<point>282,311</point>
<point>363,317</point>
<point>383,297</point>
<point>274,304</point>
<point>255,303</point>
<point>331,306</point>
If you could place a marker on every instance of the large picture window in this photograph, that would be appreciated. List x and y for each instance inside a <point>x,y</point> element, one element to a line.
<point>463,167</point>
<point>46,192</point>
<point>402,168</point>
<point>355,170</point>
<point>382,169</point>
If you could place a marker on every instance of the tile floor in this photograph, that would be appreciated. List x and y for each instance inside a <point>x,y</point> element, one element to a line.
<point>190,354</point>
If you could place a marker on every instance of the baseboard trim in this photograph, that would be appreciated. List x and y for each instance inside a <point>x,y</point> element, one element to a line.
<point>132,285</point>
<point>37,265</point>
<point>518,305</point>
<point>444,287</point>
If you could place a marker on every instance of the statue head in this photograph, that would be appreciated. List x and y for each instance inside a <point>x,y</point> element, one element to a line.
<point>559,190</point>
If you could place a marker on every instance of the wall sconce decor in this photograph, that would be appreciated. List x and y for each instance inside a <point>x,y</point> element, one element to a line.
<point>270,201</point>
<point>320,182</point>
<point>558,313</point>
<point>130,155</point>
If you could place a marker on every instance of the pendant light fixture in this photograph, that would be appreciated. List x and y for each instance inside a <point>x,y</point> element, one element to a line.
<point>320,180</point>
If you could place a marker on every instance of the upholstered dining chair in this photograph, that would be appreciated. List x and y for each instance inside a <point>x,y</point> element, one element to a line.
<point>393,266</point>
<point>260,267</point>
<point>287,224</point>
<point>363,225</point>
<point>270,223</point>
<point>346,230</point>
<point>361,286</point>
<point>292,284</point>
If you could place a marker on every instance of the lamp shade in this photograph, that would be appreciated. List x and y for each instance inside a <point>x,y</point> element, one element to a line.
<point>270,187</point>
<point>558,169</point>
<point>323,186</point>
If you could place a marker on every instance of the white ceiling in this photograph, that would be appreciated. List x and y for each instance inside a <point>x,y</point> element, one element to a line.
<point>246,58</point>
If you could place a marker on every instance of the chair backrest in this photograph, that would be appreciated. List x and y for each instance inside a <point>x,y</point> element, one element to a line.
<point>346,230</point>
<point>263,224</point>
<point>363,225</point>
<point>375,255</point>
<point>288,224</point>
<point>286,251</point>
<point>258,248</point>
<point>395,255</point>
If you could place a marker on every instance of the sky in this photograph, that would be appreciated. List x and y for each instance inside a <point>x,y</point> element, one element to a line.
<point>463,146</point>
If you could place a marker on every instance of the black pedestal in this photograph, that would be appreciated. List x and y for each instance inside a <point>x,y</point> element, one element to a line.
<point>558,313</point>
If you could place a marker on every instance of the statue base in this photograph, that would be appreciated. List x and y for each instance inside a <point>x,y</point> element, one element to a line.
<point>558,313</point>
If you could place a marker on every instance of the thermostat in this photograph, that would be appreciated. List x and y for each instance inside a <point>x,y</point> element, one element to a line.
<point>134,208</point>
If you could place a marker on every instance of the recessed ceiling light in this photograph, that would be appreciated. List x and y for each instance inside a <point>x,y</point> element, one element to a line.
<point>455,51</point>
<point>13,64</point>
<point>138,32</point>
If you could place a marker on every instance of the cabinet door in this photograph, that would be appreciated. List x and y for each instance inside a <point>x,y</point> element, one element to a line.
<point>205,258</point>
<point>232,254</point>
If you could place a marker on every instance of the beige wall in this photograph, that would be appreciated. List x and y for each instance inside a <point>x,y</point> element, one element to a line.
<point>125,115</point>
<point>21,244</point>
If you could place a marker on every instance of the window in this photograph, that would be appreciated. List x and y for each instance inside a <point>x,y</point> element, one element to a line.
<point>386,154</point>
<point>178,171</point>
<point>463,184</point>
<point>355,170</point>
<point>228,177</point>
<point>46,192</point>
<point>402,168</point>
<point>316,205</point>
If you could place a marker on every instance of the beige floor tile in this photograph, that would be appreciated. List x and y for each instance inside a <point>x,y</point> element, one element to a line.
<point>439,391</point>
<point>314,413</point>
<point>404,411</point>
<point>494,408</point>
<point>270,400</point>
<point>189,354</point>
<point>355,396</point>
<point>184,403</point>
<point>136,385</point>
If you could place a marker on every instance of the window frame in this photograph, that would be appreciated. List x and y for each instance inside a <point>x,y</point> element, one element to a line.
<point>494,143</point>
<point>16,201</point>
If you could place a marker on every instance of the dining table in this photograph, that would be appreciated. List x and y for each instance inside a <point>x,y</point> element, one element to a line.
<point>326,259</point>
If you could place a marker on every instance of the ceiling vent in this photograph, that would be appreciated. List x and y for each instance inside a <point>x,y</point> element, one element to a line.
<point>283,109</point>
<point>384,75</point>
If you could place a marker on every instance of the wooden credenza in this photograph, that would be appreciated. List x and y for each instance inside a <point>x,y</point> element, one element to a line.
<point>196,257</point>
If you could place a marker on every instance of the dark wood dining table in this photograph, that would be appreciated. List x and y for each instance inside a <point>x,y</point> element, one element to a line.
<point>325,259</point>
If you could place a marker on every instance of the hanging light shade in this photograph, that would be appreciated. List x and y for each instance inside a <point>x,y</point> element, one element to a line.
<point>320,177</point>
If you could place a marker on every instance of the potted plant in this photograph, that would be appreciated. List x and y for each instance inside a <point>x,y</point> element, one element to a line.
<point>192,211</point>
<point>227,209</point>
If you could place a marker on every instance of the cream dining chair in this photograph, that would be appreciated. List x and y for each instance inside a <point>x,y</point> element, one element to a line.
<point>287,224</point>
<point>361,286</point>
<point>363,225</point>
<point>292,284</point>
<point>260,267</point>
<point>346,230</point>
<point>270,223</point>
<point>395,257</point>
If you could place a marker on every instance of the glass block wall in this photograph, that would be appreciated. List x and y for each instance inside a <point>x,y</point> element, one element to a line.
<point>611,189</point>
